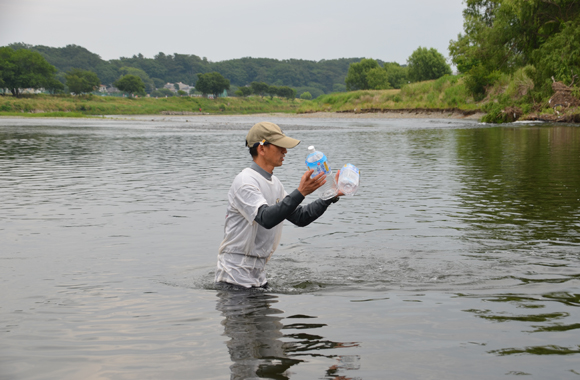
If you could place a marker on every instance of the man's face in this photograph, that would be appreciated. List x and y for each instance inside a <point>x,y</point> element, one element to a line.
<point>274,155</point>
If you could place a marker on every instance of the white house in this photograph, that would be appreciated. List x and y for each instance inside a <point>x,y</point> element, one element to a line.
<point>182,87</point>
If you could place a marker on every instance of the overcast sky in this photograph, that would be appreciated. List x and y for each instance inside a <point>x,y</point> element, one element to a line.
<point>224,29</point>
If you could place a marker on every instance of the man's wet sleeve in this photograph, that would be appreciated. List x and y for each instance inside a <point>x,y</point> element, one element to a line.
<point>271,216</point>
<point>289,208</point>
<point>304,215</point>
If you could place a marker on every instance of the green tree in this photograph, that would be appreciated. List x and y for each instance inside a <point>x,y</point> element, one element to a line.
<point>158,83</point>
<point>306,95</point>
<point>425,64</point>
<point>281,91</point>
<point>73,56</point>
<point>559,56</point>
<point>396,73</point>
<point>54,86</point>
<point>259,88</point>
<point>212,83</point>
<point>286,92</point>
<point>149,83</point>
<point>6,67</point>
<point>315,92</point>
<point>378,79</point>
<point>23,69</point>
<point>273,91</point>
<point>81,81</point>
<point>130,84</point>
<point>244,91</point>
<point>501,36</point>
<point>356,77</point>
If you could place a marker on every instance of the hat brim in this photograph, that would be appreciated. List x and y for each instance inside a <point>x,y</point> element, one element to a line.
<point>285,142</point>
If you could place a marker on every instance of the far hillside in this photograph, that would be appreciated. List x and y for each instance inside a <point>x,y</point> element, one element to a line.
<point>317,78</point>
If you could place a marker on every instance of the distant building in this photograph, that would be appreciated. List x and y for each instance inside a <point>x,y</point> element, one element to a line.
<point>170,86</point>
<point>102,88</point>
<point>31,90</point>
<point>112,90</point>
<point>182,87</point>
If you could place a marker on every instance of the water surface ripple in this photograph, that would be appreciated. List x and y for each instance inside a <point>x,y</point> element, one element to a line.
<point>459,257</point>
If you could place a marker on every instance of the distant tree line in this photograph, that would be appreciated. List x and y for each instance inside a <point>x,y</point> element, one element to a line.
<point>423,64</point>
<point>318,78</point>
<point>25,69</point>
<point>261,89</point>
<point>82,72</point>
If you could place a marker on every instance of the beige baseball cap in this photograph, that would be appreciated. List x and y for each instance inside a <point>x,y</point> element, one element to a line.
<point>269,132</point>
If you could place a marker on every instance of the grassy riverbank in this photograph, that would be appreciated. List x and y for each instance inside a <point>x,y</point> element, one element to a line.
<point>444,93</point>
<point>92,105</point>
<point>507,100</point>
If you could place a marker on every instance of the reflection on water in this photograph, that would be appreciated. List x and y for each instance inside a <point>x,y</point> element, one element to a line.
<point>521,186</point>
<point>542,314</point>
<point>459,254</point>
<point>257,345</point>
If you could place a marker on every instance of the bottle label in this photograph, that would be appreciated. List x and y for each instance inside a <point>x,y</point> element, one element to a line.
<point>320,166</point>
<point>351,167</point>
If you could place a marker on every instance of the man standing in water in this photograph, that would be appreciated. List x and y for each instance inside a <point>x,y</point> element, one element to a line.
<point>257,206</point>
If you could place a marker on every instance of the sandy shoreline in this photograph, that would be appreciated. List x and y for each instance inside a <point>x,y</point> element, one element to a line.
<point>318,115</point>
<point>405,114</point>
<point>391,115</point>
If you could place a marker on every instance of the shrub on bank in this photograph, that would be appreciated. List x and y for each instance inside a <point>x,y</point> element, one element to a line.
<point>446,92</point>
<point>513,96</point>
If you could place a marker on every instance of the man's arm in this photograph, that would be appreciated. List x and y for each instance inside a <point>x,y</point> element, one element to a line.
<point>289,208</point>
<point>271,216</point>
<point>304,215</point>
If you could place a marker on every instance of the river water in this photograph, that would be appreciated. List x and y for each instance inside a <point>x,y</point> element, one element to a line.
<point>459,257</point>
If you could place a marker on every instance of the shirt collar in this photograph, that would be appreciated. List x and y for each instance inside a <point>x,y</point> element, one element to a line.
<point>264,173</point>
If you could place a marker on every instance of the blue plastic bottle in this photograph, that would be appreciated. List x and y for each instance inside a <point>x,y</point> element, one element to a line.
<point>317,160</point>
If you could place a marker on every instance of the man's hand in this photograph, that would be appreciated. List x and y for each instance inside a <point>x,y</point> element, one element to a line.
<point>340,193</point>
<point>309,185</point>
